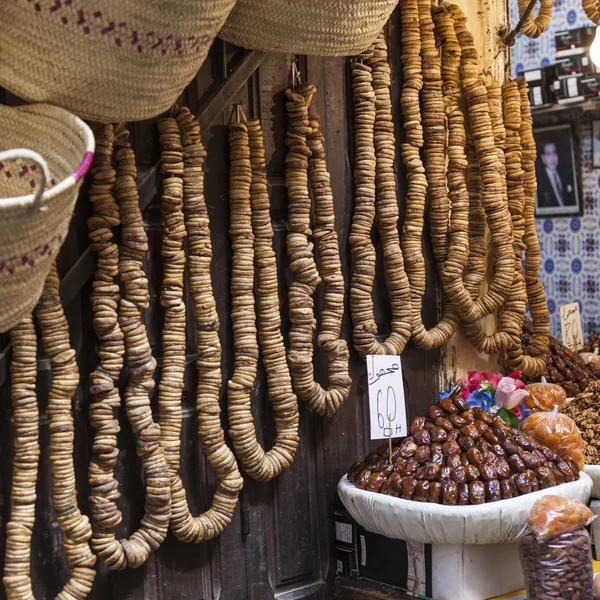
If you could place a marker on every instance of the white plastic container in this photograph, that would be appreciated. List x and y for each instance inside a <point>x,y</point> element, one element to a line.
<point>475,551</point>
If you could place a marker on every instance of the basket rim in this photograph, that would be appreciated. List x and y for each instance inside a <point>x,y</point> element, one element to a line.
<point>52,113</point>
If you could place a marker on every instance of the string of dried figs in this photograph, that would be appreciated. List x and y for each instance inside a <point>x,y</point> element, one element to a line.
<point>459,252</point>
<point>415,49</point>
<point>468,248</point>
<point>23,368</point>
<point>250,219</point>
<point>533,27</point>
<point>533,361</point>
<point>369,204</point>
<point>185,213</point>
<point>457,455</point>
<point>510,322</point>
<point>75,527</point>
<point>170,387</point>
<point>118,324</point>
<point>476,263</point>
<point>305,161</point>
<point>491,190</point>
<point>592,10</point>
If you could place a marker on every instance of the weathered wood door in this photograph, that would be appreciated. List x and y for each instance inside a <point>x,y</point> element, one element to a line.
<point>280,542</point>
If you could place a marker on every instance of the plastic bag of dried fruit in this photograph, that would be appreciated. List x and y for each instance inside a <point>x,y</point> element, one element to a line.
<point>559,433</point>
<point>591,357</point>
<point>545,396</point>
<point>556,551</point>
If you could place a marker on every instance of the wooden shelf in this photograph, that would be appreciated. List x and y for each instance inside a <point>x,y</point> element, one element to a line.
<point>585,105</point>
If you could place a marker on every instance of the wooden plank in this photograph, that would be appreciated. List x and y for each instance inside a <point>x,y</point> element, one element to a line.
<point>360,589</point>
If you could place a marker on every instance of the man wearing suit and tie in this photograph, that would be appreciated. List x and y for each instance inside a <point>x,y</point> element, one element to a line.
<point>555,188</point>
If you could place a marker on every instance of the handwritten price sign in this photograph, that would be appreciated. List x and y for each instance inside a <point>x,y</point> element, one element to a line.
<point>387,405</point>
<point>570,326</point>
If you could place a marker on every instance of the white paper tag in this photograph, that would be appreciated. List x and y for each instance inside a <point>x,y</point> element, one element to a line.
<point>387,406</point>
<point>537,96</point>
<point>363,551</point>
<point>572,88</point>
<point>343,532</point>
<point>533,75</point>
<point>570,326</point>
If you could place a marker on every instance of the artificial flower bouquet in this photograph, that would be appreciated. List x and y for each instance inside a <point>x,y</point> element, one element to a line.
<point>499,395</point>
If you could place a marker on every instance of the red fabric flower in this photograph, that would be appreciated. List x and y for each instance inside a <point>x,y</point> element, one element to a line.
<point>517,411</point>
<point>475,379</point>
<point>493,378</point>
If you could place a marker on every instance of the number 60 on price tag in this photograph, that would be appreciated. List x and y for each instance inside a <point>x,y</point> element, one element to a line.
<point>387,406</point>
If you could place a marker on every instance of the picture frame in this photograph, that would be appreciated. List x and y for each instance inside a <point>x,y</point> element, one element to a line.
<point>596,143</point>
<point>557,170</point>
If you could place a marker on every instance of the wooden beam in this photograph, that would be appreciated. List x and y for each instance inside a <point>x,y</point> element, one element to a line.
<point>215,102</point>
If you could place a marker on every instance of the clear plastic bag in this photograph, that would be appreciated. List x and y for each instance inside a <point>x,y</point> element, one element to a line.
<point>556,551</point>
<point>545,396</point>
<point>559,433</point>
<point>591,358</point>
<point>553,515</point>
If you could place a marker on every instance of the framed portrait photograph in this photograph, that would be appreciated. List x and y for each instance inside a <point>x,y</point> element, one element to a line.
<point>596,142</point>
<point>556,168</point>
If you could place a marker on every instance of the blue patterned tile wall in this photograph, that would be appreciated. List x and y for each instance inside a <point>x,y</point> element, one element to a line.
<point>570,245</point>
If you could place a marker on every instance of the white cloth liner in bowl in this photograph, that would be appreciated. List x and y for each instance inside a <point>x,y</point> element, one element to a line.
<point>424,522</point>
<point>594,472</point>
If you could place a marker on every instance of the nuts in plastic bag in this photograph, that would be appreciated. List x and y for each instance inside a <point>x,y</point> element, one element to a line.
<point>545,396</point>
<point>559,433</point>
<point>556,552</point>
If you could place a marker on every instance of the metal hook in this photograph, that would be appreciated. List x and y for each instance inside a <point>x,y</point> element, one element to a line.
<point>295,75</point>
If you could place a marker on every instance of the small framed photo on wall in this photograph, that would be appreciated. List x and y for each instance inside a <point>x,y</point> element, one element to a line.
<point>556,168</point>
<point>596,142</point>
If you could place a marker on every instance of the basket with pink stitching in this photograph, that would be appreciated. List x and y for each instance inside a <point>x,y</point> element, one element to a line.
<point>106,60</point>
<point>44,153</point>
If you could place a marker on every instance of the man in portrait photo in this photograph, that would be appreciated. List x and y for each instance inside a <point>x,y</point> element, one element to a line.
<point>555,185</point>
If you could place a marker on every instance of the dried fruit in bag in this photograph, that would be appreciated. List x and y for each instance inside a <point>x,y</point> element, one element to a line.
<point>556,550</point>
<point>553,515</point>
<point>590,358</point>
<point>545,396</point>
<point>557,432</point>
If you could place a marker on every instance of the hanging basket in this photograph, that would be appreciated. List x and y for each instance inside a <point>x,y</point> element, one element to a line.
<point>315,27</point>
<point>106,60</point>
<point>44,153</point>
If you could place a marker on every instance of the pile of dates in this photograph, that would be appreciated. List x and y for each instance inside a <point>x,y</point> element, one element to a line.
<point>563,366</point>
<point>458,455</point>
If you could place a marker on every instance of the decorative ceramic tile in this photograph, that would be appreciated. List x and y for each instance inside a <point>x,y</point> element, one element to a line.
<point>570,265</point>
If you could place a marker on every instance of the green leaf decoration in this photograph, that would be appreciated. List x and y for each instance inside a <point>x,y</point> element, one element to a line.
<point>509,417</point>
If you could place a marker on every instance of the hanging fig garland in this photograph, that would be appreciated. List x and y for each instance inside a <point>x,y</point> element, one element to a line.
<point>371,207</point>
<point>185,214</point>
<point>535,25</point>
<point>252,243</point>
<point>75,527</point>
<point>418,56</point>
<point>305,162</point>
<point>468,184</point>
<point>119,327</point>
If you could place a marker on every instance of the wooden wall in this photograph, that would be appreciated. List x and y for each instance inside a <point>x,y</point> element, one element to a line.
<point>279,544</point>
